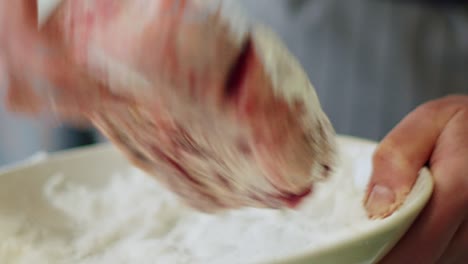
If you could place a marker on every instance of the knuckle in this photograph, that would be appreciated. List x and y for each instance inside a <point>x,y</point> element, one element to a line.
<point>382,154</point>
<point>454,183</point>
<point>388,155</point>
<point>456,98</point>
<point>455,102</point>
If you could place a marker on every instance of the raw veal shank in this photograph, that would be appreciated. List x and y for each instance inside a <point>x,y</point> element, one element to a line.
<point>218,111</point>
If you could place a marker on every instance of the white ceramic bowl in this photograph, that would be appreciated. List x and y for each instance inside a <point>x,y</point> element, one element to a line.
<point>21,191</point>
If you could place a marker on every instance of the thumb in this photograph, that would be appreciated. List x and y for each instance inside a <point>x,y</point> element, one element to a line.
<point>403,152</point>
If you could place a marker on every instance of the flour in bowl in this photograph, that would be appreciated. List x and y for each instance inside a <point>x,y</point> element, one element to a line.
<point>132,219</point>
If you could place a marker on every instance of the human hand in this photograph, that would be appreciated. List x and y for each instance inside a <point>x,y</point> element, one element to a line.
<point>94,49</point>
<point>90,54</point>
<point>435,134</point>
<point>18,53</point>
<point>37,72</point>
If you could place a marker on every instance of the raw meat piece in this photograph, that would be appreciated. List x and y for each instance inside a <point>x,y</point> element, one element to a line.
<point>223,115</point>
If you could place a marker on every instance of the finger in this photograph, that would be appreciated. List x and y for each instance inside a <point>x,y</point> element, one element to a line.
<point>3,75</point>
<point>401,155</point>
<point>19,17</point>
<point>28,13</point>
<point>433,232</point>
<point>457,252</point>
<point>21,98</point>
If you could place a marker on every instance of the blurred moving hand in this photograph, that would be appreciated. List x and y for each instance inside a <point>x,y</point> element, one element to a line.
<point>19,57</point>
<point>34,62</point>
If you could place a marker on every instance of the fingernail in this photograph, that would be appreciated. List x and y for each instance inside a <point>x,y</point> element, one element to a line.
<point>380,201</point>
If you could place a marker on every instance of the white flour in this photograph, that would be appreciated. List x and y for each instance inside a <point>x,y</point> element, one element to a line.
<point>134,220</point>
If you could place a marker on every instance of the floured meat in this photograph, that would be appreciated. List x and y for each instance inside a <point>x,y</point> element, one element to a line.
<point>221,114</point>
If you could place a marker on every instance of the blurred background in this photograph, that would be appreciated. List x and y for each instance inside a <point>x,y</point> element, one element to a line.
<point>371,62</point>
